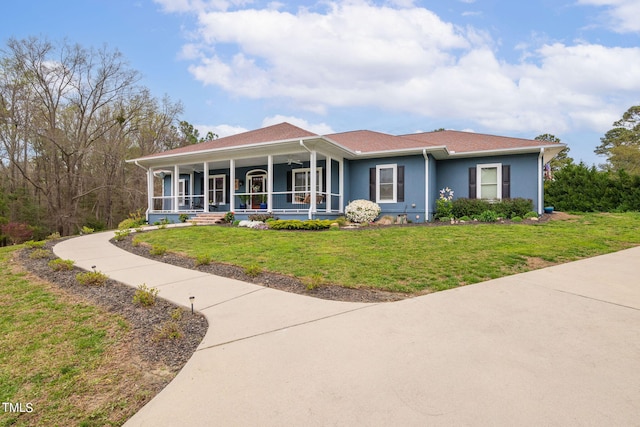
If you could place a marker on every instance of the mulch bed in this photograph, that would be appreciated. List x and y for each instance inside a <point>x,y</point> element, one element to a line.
<point>168,353</point>
<point>267,279</point>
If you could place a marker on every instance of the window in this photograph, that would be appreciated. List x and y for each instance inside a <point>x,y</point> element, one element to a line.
<point>489,179</point>
<point>387,179</point>
<point>217,189</point>
<point>302,184</point>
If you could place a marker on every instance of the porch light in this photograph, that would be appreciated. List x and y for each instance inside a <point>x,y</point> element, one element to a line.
<point>192,298</point>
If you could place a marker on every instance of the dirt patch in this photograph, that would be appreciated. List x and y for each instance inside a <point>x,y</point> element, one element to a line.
<point>267,279</point>
<point>560,216</point>
<point>148,364</point>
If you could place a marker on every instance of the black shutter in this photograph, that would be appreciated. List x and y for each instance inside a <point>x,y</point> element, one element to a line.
<point>506,181</point>
<point>372,184</point>
<point>472,183</point>
<point>289,186</point>
<point>323,176</point>
<point>400,188</point>
<point>228,189</point>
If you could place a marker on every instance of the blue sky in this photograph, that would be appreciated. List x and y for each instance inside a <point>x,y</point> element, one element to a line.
<point>515,68</point>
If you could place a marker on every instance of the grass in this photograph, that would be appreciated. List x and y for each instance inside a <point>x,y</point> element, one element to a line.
<point>408,259</point>
<point>61,355</point>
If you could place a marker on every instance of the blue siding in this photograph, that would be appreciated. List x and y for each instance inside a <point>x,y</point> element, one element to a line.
<point>414,185</point>
<point>524,175</point>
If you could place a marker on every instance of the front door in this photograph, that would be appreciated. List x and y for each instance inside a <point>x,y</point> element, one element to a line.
<point>257,189</point>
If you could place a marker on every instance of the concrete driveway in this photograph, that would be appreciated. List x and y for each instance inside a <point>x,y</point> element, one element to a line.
<point>557,346</point>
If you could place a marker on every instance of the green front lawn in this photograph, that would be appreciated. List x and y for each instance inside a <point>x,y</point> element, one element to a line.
<point>60,359</point>
<point>408,259</point>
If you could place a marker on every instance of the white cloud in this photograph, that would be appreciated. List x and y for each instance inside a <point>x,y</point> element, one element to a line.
<point>220,130</point>
<point>409,60</point>
<point>622,15</point>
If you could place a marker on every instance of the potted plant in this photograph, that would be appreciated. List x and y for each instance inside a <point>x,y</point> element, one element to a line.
<point>244,198</point>
<point>263,201</point>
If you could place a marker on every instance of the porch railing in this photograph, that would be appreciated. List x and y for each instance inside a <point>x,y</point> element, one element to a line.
<point>281,201</point>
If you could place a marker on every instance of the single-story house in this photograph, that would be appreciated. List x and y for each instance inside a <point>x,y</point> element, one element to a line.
<point>294,173</point>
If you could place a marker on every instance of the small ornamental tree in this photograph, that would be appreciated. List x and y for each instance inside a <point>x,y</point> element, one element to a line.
<point>17,232</point>
<point>361,211</point>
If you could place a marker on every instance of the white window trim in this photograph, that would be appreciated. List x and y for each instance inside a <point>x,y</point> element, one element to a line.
<point>395,183</point>
<point>212,188</point>
<point>498,167</point>
<point>307,189</point>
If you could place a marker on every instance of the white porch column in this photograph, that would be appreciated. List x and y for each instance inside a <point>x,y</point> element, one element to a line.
<point>270,183</point>
<point>232,185</point>
<point>341,184</point>
<point>313,166</point>
<point>192,187</point>
<point>426,186</point>
<point>205,187</point>
<point>150,188</point>
<point>176,187</point>
<point>328,181</point>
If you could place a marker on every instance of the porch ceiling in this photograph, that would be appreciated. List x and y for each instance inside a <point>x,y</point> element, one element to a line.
<point>294,158</point>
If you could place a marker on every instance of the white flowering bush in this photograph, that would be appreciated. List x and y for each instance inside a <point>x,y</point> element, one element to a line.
<point>362,211</point>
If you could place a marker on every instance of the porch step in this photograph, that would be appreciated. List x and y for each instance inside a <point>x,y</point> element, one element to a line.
<point>207,219</point>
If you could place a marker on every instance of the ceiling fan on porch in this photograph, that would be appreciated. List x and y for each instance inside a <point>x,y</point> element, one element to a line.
<point>294,162</point>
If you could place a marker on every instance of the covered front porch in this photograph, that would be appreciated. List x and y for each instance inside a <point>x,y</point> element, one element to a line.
<point>282,183</point>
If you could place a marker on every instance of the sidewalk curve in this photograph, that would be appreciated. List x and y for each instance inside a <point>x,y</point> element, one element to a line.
<point>557,346</point>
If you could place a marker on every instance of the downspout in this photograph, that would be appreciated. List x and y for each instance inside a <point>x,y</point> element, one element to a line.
<point>426,185</point>
<point>310,214</point>
<point>540,182</point>
<point>146,213</point>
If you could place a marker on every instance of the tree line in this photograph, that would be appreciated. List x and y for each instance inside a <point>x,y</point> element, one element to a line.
<point>614,186</point>
<point>69,117</point>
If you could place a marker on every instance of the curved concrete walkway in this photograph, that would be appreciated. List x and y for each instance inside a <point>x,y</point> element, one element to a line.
<point>558,346</point>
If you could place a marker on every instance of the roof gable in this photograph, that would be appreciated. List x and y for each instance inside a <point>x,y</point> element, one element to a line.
<point>280,132</point>
<point>461,142</point>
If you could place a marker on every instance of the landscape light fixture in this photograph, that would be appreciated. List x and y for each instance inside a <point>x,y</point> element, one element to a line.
<point>94,268</point>
<point>191,298</point>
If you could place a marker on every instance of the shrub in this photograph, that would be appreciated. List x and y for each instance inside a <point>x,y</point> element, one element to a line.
<point>92,278</point>
<point>488,216</point>
<point>516,219</point>
<point>136,219</point>
<point>183,217</point>
<point>465,218</point>
<point>531,214</point>
<point>121,234</point>
<point>61,264</point>
<point>53,236</point>
<point>444,203</point>
<point>86,230</point>
<point>17,232</point>
<point>176,313</point>
<point>229,217</point>
<point>360,211</point>
<point>40,254</point>
<point>203,260</point>
<point>253,270</point>
<point>145,296</point>
<point>469,207</point>
<point>261,217</point>
<point>158,250</point>
<point>508,208</point>
<point>296,224</point>
<point>505,208</point>
<point>34,245</point>
<point>170,330</point>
